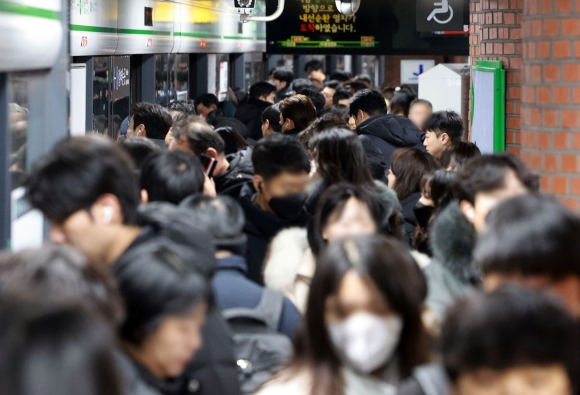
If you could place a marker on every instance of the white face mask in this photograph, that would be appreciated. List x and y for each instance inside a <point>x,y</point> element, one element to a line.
<point>366,341</point>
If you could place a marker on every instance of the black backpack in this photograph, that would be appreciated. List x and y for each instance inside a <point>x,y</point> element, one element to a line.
<point>260,349</point>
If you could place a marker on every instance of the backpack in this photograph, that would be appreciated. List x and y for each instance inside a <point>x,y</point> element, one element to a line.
<point>260,349</point>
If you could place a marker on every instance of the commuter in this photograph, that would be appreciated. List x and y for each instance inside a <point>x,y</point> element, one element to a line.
<point>150,120</point>
<point>401,104</point>
<point>171,176</point>
<point>354,87</point>
<point>419,111</point>
<point>479,186</point>
<point>344,210</point>
<point>56,349</point>
<point>388,92</point>
<point>408,167</point>
<point>363,332</point>
<point>224,218</point>
<point>326,122</point>
<point>364,79</point>
<point>281,78</point>
<point>231,171</point>
<point>341,76</point>
<point>317,99</point>
<point>138,149</point>
<point>457,154</point>
<point>299,84</point>
<point>234,142</point>
<point>313,69</point>
<point>165,308</point>
<point>341,98</point>
<point>533,240</point>
<point>262,95</point>
<point>275,198</point>
<point>384,131</point>
<point>330,88</point>
<point>206,103</point>
<point>296,114</point>
<point>511,341</point>
<point>271,120</point>
<point>185,107</point>
<point>237,96</point>
<point>216,119</point>
<point>442,129</point>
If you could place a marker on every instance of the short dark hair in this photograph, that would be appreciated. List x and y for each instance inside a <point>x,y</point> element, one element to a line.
<point>283,75</point>
<point>507,328</point>
<point>207,99</point>
<point>76,172</point>
<point>186,107</point>
<point>279,153</point>
<point>417,102</point>
<point>448,122</point>
<point>369,101</point>
<point>301,83</point>
<point>272,114</point>
<point>363,77</point>
<point>200,136</point>
<point>299,109</point>
<point>138,148</point>
<point>260,89</point>
<point>356,86</point>
<point>334,84</point>
<point>317,98</point>
<point>340,75</point>
<point>155,281</point>
<point>531,235</point>
<point>340,95</point>
<point>487,173</point>
<point>156,118</point>
<point>313,65</point>
<point>326,122</point>
<point>332,202</point>
<point>171,176</point>
<point>409,166</point>
<point>51,348</point>
<point>233,141</point>
<point>458,153</point>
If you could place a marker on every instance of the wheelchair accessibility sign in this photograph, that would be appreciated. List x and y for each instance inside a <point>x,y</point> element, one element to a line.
<point>440,15</point>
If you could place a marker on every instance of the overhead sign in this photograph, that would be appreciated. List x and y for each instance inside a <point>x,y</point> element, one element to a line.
<point>440,15</point>
<point>412,69</point>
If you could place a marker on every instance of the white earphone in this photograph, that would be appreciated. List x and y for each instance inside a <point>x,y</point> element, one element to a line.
<point>107,214</point>
<point>470,214</point>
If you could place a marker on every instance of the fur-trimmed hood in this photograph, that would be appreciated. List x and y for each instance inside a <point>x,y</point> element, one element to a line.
<point>285,257</point>
<point>453,240</point>
<point>386,199</point>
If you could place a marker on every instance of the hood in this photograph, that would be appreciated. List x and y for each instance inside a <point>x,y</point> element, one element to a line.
<point>453,239</point>
<point>394,129</point>
<point>285,257</point>
<point>241,161</point>
<point>241,170</point>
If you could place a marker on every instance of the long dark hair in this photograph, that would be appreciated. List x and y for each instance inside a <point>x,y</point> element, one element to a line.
<point>384,261</point>
<point>410,165</point>
<point>333,200</point>
<point>341,158</point>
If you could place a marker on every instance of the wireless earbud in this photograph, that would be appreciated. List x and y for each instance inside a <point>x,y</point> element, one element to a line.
<point>107,214</point>
<point>471,214</point>
<point>260,187</point>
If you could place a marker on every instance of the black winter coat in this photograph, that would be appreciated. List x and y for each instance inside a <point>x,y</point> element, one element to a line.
<point>241,171</point>
<point>408,205</point>
<point>250,113</point>
<point>388,132</point>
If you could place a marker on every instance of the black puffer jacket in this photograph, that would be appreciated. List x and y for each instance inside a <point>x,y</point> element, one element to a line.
<point>250,114</point>
<point>388,132</point>
<point>241,170</point>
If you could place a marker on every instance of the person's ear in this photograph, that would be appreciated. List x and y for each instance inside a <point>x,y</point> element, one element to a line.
<point>468,210</point>
<point>211,152</point>
<point>212,107</point>
<point>362,115</point>
<point>290,124</point>
<point>258,183</point>
<point>445,139</point>
<point>263,98</point>
<point>107,210</point>
<point>144,196</point>
<point>283,85</point>
<point>141,132</point>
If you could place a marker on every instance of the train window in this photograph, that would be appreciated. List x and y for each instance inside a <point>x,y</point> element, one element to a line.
<point>18,126</point>
<point>121,94</point>
<point>370,68</point>
<point>222,75</point>
<point>180,76</point>
<point>148,16</point>
<point>254,68</point>
<point>101,99</point>
<point>162,91</point>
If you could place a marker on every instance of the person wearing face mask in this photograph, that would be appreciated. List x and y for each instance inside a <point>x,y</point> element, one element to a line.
<point>363,332</point>
<point>275,198</point>
<point>408,167</point>
<point>343,210</point>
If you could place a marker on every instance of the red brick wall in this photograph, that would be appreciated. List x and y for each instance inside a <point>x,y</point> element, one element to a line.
<point>551,95</point>
<point>496,34</point>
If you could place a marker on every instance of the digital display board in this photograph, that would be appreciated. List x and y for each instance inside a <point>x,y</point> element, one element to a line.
<point>381,27</point>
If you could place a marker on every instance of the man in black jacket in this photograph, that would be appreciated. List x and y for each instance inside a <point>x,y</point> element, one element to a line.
<point>281,78</point>
<point>231,171</point>
<point>275,198</point>
<point>262,95</point>
<point>86,187</point>
<point>385,131</point>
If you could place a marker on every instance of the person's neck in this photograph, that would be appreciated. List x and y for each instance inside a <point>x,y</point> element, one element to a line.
<point>124,236</point>
<point>222,165</point>
<point>263,203</point>
<point>222,254</point>
<point>144,359</point>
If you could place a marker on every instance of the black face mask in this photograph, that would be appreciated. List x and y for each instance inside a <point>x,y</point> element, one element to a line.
<point>289,208</point>
<point>423,214</point>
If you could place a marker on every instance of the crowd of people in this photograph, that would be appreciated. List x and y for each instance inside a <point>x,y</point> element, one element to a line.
<point>324,238</point>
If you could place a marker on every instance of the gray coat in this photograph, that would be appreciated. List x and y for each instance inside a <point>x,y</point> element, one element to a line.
<point>452,272</point>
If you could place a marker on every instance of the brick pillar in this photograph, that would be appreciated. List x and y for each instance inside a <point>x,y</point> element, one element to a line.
<point>496,34</point>
<point>551,95</point>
